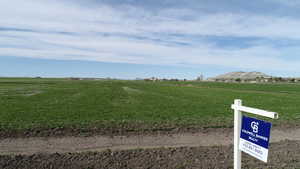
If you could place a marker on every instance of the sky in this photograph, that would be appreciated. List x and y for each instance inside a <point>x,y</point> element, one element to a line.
<point>131,39</point>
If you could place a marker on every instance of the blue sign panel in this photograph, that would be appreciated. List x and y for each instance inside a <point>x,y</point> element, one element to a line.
<point>256,131</point>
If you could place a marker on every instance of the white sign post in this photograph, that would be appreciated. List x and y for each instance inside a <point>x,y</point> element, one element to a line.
<point>238,109</point>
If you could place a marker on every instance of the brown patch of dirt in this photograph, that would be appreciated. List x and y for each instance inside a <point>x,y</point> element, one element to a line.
<point>285,154</point>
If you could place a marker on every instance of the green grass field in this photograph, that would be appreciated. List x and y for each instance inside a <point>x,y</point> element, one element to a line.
<point>35,103</point>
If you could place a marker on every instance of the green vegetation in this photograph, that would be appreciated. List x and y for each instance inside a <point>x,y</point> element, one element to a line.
<point>30,103</point>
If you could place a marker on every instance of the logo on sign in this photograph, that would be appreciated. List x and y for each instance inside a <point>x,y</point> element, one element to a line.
<point>254,126</point>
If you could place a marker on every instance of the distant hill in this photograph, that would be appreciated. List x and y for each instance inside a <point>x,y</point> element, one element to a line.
<point>244,76</point>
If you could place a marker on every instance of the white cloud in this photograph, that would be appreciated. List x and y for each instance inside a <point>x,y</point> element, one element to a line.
<point>125,25</point>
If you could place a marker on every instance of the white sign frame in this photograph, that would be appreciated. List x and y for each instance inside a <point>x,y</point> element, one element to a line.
<point>238,109</point>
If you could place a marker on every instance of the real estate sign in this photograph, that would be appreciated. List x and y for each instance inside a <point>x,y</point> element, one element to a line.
<point>254,137</point>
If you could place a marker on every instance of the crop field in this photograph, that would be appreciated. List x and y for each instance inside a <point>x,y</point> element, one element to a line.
<point>138,124</point>
<point>50,103</point>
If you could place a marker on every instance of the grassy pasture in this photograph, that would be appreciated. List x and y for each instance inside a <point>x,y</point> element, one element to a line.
<point>34,103</point>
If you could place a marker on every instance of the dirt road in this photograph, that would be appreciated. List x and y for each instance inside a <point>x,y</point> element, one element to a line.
<point>215,137</point>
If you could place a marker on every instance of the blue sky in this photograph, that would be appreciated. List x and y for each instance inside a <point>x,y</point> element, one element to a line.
<point>144,38</point>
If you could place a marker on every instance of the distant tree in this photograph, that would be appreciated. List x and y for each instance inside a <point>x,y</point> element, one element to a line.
<point>238,80</point>
<point>293,80</point>
<point>278,79</point>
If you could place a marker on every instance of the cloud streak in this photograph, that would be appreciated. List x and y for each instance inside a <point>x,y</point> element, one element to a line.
<point>132,34</point>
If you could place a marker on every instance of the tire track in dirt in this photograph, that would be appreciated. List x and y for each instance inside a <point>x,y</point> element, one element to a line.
<point>217,137</point>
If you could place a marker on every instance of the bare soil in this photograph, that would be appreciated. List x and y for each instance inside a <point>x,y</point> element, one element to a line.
<point>121,130</point>
<point>100,143</point>
<point>210,148</point>
<point>212,137</point>
<point>285,154</point>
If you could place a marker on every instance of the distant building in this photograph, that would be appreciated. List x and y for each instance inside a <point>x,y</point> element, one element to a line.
<point>152,79</point>
<point>200,78</point>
